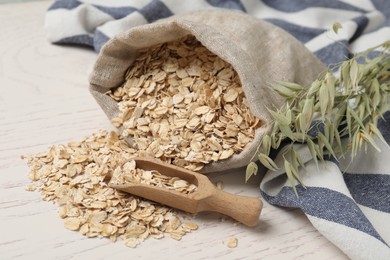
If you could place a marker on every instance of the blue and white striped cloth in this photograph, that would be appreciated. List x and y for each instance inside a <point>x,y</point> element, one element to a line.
<point>351,209</point>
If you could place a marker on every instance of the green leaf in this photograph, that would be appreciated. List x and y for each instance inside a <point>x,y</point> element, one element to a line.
<point>320,149</point>
<point>307,114</point>
<point>349,121</point>
<point>275,141</point>
<point>296,175</point>
<point>367,104</point>
<point>283,91</point>
<point>298,123</point>
<point>291,86</point>
<point>356,144</point>
<point>290,176</point>
<point>275,128</point>
<point>314,87</point>
<point>312,150</point>
<point>299,137</point>
<point>330,85</point>
<point>336,27</point>
<point>326,128</point>
<point>344,76</point>
<point>369,139</point>
<point>375,131</point>
<point>340,113</point>
<point>376,98</point>
<point>300,162</point>
<point>289,114</point>
<point>385,87</point>
<point>266,144</point>
<point>296,161</point>
<point>361,109</point>
<point>286,130</point>
<point>331,131</point>
<point>327,144</point>
<point>251,169</point>
<point>267,162</point>
<point>356,117</point>
<point>324,99</point>
<point>281,119</point>
<point>354,73</point>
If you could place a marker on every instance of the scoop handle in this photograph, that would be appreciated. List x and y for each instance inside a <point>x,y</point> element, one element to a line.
<point>241,208</point>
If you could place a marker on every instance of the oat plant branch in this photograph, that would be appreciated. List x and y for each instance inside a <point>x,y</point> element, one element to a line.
<point>345,102</point>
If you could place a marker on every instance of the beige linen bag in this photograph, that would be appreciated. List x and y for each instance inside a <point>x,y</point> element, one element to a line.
<point>260,52</point>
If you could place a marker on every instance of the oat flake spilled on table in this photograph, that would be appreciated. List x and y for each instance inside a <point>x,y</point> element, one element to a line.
<point>184,105</point>
<point>72,175</point>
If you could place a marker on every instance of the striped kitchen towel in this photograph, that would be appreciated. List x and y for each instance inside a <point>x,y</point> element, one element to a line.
<point>348,203</point>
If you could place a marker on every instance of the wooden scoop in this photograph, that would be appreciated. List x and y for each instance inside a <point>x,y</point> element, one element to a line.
<point>207,197</point>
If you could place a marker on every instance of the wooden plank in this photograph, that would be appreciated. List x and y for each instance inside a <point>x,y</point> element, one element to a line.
<point>44,100</point>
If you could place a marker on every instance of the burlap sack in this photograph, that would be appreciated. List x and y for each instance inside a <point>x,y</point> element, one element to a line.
<point>260,53</point>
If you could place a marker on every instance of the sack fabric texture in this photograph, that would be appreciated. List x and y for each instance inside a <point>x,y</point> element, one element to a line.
<point>348,203</point>
<point>259,59</point>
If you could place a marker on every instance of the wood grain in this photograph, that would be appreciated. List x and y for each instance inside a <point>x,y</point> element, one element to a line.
<point>44,100</point>
<point>207,197</point>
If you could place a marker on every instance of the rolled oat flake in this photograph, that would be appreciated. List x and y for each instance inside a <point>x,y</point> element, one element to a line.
<point>253,53</point>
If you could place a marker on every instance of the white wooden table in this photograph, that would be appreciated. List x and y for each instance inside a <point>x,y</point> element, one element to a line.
<point>44,100</point>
